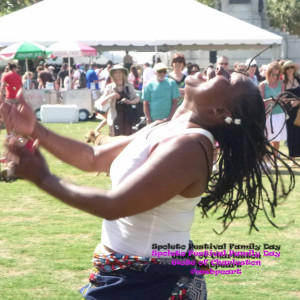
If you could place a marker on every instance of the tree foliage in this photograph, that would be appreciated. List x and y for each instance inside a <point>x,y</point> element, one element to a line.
<point>284,14</point>
<point>207,2</point>
<point>9,6</point>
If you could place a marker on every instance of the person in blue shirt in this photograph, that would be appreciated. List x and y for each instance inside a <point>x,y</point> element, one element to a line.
<point>160,96</point>
<point>91,76</point>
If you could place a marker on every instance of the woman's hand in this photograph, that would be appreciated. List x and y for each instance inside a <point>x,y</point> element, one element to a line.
<point>115,96</point>
<point>125,101</point>
<point>29,165</point>
<point>18,116</point>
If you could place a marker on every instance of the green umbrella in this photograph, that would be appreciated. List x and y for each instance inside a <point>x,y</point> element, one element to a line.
<point>23,50</point>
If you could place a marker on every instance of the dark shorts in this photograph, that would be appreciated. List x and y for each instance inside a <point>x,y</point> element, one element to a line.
<point>127,284</point>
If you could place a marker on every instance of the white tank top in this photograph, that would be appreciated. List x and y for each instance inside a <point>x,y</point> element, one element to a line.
<point>168,223</point>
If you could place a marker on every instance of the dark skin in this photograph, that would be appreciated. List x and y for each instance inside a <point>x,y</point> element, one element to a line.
<point>167,172</point>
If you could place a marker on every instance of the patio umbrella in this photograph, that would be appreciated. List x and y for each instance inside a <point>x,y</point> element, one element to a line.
<point>23,50</point>
<point>70,49</point>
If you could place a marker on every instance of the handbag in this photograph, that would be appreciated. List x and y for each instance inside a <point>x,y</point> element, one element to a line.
<point>297,119</point>
<point>102,109</point>
<point>131,115</point>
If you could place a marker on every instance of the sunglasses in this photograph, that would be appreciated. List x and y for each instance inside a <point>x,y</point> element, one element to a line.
<point>291,67</point>
<point>275,75</point>
<point>162,71</point>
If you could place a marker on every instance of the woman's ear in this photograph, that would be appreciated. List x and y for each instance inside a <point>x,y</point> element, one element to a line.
<point>222,113</point>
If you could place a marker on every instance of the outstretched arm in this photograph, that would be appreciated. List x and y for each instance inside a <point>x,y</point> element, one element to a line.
<point>21,120</point>
<point>79,154</point>
<point>167,172</point>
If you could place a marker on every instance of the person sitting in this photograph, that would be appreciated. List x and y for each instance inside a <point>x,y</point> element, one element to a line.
<point>158,176</point>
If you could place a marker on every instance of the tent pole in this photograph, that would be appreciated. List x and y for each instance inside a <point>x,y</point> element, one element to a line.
<point>69,63</point>
<point>155,49</point>
<point>26,64</point>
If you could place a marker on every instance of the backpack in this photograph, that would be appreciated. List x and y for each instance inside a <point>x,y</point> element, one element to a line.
<point>82,80</point>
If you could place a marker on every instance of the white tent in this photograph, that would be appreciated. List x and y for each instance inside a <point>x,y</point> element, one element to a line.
<point>144,25</point>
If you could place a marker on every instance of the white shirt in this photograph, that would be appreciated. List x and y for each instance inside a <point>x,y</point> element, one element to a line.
<point>169,222</point>
<point>148,75</point>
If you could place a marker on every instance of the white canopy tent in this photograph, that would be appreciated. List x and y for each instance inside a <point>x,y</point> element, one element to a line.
<point>140,25</point>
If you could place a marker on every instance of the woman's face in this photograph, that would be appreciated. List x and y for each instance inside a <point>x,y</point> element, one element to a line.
<point>216,91</point>
<point>178,65</point>
<point>252,70</point>
<point>290,70</point>
<point>194,70</point>
<point>274,76</point>
<point>118,75</point>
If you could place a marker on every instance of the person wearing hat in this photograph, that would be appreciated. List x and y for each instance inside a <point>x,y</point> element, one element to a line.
<point>160,96</point>
<point>252,66</point>
<point>291,83</point>
<point>120,95</point>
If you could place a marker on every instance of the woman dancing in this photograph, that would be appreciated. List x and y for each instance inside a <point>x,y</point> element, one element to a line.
<point>158,176</point>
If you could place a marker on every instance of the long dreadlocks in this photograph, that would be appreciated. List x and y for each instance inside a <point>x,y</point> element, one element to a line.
<point>243,176</point>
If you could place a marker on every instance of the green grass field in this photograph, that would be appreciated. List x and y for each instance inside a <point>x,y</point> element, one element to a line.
<point>46,247</point>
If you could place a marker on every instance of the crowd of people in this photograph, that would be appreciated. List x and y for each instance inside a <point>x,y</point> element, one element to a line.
<point>162,91</point>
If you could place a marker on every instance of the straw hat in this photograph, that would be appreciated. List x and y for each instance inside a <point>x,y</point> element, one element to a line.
<point>118,67</point>
<point>288,63</point>
<point>160,66</point>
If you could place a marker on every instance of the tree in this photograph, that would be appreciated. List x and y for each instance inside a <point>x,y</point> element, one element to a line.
<point>9,6</point>
<point>210,3</point>
<point>284,14</point>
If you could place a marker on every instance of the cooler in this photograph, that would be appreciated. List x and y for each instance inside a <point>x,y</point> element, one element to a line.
<point>59,113</point>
